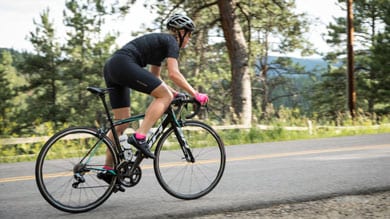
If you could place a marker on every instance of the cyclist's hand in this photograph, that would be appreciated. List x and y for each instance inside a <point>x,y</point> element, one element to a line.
<point>201,98</point>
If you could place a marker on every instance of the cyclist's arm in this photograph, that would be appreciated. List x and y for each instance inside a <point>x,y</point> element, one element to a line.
<point>178,78</point>
<point>156,70</point>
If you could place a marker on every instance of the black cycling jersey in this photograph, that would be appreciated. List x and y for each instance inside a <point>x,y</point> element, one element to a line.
<point>152,48</point>
<point>125,69</point>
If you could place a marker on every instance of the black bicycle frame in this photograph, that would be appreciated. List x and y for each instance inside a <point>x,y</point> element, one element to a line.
<point>169,118</point>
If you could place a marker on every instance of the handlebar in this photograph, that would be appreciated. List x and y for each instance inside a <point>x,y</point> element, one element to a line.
<point>183,101</point>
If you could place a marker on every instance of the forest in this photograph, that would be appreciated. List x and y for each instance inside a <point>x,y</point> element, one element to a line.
<point>45,90</point>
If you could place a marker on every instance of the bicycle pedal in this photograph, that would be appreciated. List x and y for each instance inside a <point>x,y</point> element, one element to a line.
<point>119,188</point>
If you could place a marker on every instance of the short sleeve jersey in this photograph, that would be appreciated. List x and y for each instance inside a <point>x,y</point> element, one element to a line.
<point>152,49</point>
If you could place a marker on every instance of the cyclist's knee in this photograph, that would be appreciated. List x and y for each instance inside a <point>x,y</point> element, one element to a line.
<point>170,96</point>
<point>163,92</point>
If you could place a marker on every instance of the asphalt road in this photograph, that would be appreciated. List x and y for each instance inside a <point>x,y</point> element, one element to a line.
<point>256,175</point>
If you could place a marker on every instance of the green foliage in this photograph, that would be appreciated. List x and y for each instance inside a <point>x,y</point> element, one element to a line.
<point>28,152</point>
<point>256,135</point>
<point>273,26</point>
<point>287,83</point>
<point>371,40</point>
<point>85,56</point>
<point>6,92</point>
<point>381,62</point>
<point>10,83</point>
<point>43,74</point>
<point>44,91</point>
<point>329,97</point>
<point>49,85</point>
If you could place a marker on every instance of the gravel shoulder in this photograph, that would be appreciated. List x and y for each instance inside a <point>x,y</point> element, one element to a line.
<point>376,205</point>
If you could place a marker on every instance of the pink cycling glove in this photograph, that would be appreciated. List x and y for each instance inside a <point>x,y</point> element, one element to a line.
<point>201,98</point>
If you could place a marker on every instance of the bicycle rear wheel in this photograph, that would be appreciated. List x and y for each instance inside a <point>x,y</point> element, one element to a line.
<point>67,167</point>
<point>185,179</point>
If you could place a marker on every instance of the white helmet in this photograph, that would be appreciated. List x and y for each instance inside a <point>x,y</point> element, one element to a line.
<point>179,22</point>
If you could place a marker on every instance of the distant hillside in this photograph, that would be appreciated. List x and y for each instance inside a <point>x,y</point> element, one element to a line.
<point>308,63</point>
<point>297,83</point>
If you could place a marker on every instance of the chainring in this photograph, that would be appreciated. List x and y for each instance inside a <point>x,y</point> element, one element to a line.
<point>125,177</point>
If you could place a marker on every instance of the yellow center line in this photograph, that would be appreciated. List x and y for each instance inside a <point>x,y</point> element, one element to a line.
<point>18,178</point>
<point>253,157</point>
<point>319,151</point>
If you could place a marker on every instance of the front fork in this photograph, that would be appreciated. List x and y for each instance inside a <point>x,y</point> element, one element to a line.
<point>184,145</point>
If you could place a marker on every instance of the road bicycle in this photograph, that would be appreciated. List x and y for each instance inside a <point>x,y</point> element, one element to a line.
<point>190,158</point>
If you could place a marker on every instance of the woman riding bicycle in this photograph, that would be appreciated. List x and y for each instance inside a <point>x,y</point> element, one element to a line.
<point>125,69</point>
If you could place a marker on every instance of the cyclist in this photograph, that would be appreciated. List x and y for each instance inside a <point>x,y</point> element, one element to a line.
<point>125,69</point>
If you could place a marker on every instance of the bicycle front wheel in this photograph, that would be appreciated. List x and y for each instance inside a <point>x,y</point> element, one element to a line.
<point>186,179</point>
<point>67,168</point>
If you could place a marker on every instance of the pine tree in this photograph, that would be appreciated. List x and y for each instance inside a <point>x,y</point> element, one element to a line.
<point>85,52</point>
<point>42,70</point>
<point>6,94</point>
<point>369,24</point>
<point>240,28</point>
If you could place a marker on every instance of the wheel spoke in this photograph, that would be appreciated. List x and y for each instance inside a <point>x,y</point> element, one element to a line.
<point>190,180</point>
<point>66,183</point>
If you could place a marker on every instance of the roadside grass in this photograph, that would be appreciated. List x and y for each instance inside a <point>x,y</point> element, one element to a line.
<point>256,135</point>
<point>29,151</point>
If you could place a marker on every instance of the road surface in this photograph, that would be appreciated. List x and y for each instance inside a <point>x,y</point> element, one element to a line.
<point>256,176</point>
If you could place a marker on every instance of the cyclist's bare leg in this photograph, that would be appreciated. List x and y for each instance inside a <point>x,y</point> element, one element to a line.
<point>119,113</point>
<point>163,97</point>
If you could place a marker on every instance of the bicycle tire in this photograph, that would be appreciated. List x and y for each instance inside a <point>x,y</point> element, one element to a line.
<point>57,163</point>
<point>187,180</point>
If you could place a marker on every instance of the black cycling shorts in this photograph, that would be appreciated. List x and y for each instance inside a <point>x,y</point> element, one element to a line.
<point>122,72</point>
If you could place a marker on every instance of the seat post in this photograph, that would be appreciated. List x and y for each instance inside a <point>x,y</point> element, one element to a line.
<point>102,97</point>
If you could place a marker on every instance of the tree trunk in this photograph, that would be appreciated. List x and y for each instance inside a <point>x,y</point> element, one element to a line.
<point>238,54</point>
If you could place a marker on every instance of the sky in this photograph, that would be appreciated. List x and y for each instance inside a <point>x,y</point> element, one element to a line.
<point>17,20</point>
